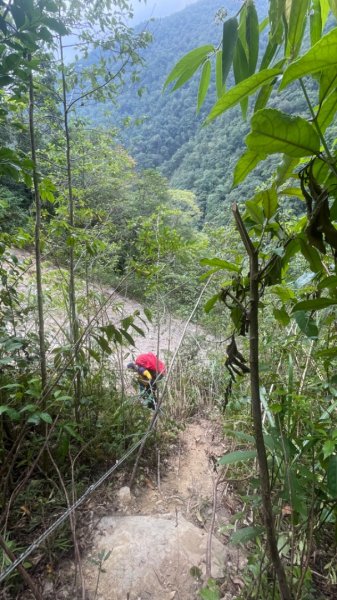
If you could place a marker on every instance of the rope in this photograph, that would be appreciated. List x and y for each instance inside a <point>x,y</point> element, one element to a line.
<point>4,574</point>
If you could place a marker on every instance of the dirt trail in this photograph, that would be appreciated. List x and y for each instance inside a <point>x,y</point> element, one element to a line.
<point>173,513</point>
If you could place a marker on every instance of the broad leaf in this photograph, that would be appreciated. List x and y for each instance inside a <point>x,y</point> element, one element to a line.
<point>275,132</point>
<point>255,211</point>
<point>281,316</point>
<point>229,38</point>
<point>204,84</point>
<point>222,264</point>
<point>321,56</point>
<point>268,199</point>
<point>240,91</point>
<point>312,256</point>
<point>314,304</point>
<point>211,303</point>
<point>237,456</point>
<point>246,163</point>
<point>306,324</point>
<point>188,65</point>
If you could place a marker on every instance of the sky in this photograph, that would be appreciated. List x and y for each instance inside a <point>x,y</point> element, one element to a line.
<point>157,8</point>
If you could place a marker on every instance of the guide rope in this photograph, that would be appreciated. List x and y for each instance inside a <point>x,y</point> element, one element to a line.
<point>4,574</point>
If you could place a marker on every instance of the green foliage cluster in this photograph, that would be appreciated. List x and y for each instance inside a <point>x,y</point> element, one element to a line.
<point>290,280</point>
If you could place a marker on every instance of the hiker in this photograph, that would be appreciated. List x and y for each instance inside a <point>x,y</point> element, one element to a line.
<point>149,370</point>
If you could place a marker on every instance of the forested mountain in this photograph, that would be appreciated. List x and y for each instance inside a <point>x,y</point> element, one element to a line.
<point>164,130</point>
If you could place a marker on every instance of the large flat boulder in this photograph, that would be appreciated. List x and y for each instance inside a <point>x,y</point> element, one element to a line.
<point>151,558</point>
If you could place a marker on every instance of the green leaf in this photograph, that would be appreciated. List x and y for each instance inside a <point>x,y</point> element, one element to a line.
<point>269,54</point>
<point>218,74</point>
<point>276,132</point>
<point>246,163</point>
<point>283,292</point>
<point>218,262</point>
<point>240,91</point>
<point>268,198</point>
<point>128,337</point>
<point>328,82</point>
<point>333,6</point>
<point>46,418</point>
<point>281,316</point>
<point>188,65</point>
<point>102,342</point>
<point>328,282</point>
<point>285,170</point>
<point>255,211</point>
<point>241,71</point>
<point>211,303</point>
<point>229,39</point>
<point>314,304</point>
<point>245,534</point>
<point>297,21</point>
<point>204,84</point>
<point>328,448</point>
<point>276,8</point>
<point>237,456</point>
<point>306,324</point>
<point>320,57</point>
<point>312,256</point>
<point>315,22</point>
<point>252,37</point>
<point>292,191</point>
<point>148,314</point>
<point>327,111</point>
<point>332,476</point>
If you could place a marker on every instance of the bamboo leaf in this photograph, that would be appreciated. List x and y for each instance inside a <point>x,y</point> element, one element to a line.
<point>240,91</point>
<point>237,456</point>
<point>297,21</point>
<point>204,84</point>
<point>229,39</point>
<point>315,22</point>
<point>187,65</point>
<point>320,57</point>
<point>274,132</point>
<point>246,163</point>
<point>252,37</point>
<point>218,74</point>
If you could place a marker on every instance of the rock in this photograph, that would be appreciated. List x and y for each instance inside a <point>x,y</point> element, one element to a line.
<point>152,553</point>
<point>124,497</point>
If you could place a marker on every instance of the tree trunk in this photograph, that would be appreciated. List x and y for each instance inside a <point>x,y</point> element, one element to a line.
<point>256,407</point>
<point>43,363</point>
<point>74,326</point>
